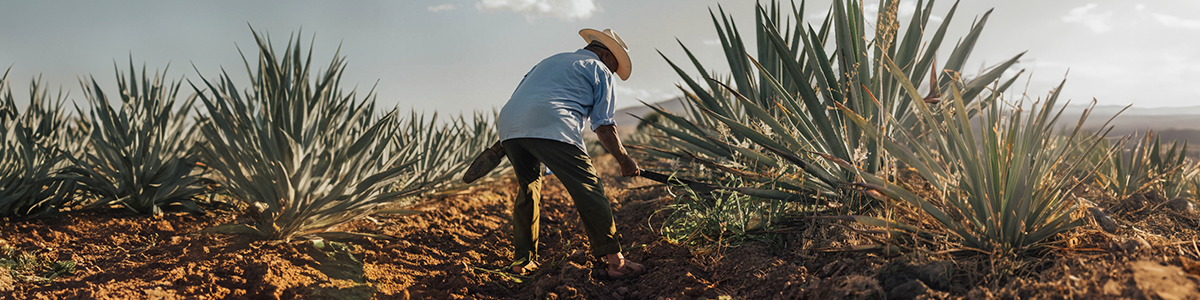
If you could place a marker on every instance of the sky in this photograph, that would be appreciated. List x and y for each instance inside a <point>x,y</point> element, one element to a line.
<point>459,56</point>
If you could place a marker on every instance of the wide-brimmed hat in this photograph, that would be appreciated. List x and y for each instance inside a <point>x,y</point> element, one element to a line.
<point>615,45</point>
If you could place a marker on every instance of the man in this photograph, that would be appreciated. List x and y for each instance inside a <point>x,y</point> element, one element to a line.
<point>542,123</point>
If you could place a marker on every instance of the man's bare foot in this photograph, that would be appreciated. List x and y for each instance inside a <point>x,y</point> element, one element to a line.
<point>619,267</point>
<point>524,269</point>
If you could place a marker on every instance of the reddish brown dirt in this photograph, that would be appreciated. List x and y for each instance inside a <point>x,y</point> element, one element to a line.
<point>451,250</point>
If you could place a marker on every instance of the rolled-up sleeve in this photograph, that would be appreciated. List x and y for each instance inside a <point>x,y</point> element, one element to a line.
<point>604,99</point>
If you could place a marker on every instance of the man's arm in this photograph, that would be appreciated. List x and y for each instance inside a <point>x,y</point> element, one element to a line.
<point>612,143</point>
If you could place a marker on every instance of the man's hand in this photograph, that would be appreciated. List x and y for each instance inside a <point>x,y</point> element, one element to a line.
<point>629,168</point>
<point>612,143</point>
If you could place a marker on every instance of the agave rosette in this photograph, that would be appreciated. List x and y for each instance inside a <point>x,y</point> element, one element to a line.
<point>301,154</point>
<point>780,107</point>
<point>139,154</point>
<point>34,148</point>
<point>1002,183</point>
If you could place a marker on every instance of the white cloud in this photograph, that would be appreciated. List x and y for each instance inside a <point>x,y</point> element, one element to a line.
<point>566,10</point>
<point>711,42</point>
<point>443,7</point>
<point>1098,22</point>
<point>1140,7</point>
<point>628,94</point>
<point>1177,22</point>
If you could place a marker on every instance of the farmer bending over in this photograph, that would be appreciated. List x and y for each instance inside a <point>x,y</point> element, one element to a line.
<point>543,123</point>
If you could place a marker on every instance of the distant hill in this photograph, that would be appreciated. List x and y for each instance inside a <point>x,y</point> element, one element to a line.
<point>1171,123</point>
<point>625,115</point>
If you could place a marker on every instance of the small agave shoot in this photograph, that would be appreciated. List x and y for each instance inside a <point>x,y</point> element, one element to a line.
<point>34,147</point>
<point>140,154</point>
<point>300,153</point>
<point>1004,185</point>
<point>1147,164</point>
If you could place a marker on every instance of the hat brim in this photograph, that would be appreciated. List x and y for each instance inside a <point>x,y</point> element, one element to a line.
<point>625,66</point>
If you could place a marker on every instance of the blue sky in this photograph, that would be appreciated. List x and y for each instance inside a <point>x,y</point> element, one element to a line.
<point>464,55</point>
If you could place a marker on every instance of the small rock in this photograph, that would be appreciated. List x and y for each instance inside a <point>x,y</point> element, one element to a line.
<point>623,291</point>
<point>910,290</point>
<point>164,226</point>
<point>1181,204</point>
<point>1102,219</point>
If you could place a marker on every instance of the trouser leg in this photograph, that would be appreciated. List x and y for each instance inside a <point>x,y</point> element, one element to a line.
<point>527,206</point>
<point>575,170</point>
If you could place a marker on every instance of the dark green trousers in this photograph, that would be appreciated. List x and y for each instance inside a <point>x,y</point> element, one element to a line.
<point>574,169</point>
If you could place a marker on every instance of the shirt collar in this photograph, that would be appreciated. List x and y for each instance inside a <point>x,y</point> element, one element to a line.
<point>588,53</point>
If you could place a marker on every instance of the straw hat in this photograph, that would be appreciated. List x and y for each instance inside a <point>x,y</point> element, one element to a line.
<point>615,45</point>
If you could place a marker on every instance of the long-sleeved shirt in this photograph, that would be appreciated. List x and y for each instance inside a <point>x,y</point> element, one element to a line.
<point>556,98</point>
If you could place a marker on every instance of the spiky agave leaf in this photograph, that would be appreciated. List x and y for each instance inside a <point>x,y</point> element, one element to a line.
<point>140,154</point>
<point>33,147</point>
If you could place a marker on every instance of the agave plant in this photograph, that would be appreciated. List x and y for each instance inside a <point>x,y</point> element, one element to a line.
<point>140,154</point>
<point>444,149</point>
<point>780,108</point>
<point>1003,186</point>
<point>304,156</point>
<point>1145,165</point>
<point>34,147</point>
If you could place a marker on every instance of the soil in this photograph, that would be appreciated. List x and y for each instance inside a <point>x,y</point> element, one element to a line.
<point>458,248</point>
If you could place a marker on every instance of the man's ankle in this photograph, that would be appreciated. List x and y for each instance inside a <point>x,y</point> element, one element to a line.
<point>616,258</point>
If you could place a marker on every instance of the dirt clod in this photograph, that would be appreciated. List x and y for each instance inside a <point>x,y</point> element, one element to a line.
<point>1133,244</point>
<point>846,287</point>
<point>1132,204</point>
<point>1166,282</point>
<point>6,280</point>
<point>910,290</point>
<point>1102,219</point>
<point>1181,204</point>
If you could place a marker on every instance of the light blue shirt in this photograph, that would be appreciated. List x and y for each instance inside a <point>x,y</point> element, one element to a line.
<point>557,97</point>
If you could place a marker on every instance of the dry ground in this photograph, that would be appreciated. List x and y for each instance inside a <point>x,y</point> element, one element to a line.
<point>452,250</point>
